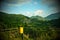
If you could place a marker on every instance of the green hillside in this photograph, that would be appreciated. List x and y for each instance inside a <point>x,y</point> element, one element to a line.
<point>12,20</point>
<point>34,28</point>
<point>53,16</point>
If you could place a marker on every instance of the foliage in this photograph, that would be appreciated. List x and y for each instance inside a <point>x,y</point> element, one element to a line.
<point>34,28</point>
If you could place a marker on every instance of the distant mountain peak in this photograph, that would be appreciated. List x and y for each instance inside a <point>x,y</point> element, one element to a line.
<point>37,18</point>
<point>53,16</point>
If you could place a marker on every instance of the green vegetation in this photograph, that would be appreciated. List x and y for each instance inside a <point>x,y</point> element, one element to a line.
<point>35,28</point>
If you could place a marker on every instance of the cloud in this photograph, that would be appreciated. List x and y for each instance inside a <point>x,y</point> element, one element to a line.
<point>35,13</point>
<point>51,3</point>
<point>35,2</point>
<point>14,1</point>
<point>29,14</point>
<point>38,12</point>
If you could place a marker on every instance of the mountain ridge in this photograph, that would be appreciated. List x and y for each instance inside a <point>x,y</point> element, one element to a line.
<point>53,16</point>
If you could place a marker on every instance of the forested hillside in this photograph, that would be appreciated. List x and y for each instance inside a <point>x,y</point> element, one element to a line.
<point>12,20</point>
<point>36,27</point>
<point>53,16</point>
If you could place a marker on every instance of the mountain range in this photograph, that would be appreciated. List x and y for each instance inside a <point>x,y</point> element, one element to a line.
<point>53,16</point>
<point>13,20</point>
<point>35,26</point>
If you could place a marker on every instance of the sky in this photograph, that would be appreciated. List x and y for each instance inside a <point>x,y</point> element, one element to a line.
<point>27,7</point>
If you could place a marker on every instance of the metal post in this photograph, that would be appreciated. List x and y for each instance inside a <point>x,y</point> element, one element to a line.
<point>21,32</point>
<point>22,36</point>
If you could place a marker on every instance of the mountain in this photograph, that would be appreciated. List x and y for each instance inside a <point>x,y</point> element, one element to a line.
<point>55,23</point>
<point>37,18</point>
<point>53,16</point>
<point>12,20</point>
<point>37,30</point>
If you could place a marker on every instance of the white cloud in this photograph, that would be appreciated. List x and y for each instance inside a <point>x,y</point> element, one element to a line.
<point>29,14</point>
<point>38,12</point>
<point>18,4</point>
<point>35,2</point>
<point>15,2</point>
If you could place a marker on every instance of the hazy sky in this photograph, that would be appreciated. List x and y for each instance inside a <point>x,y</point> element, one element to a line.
<point>27,7</point>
